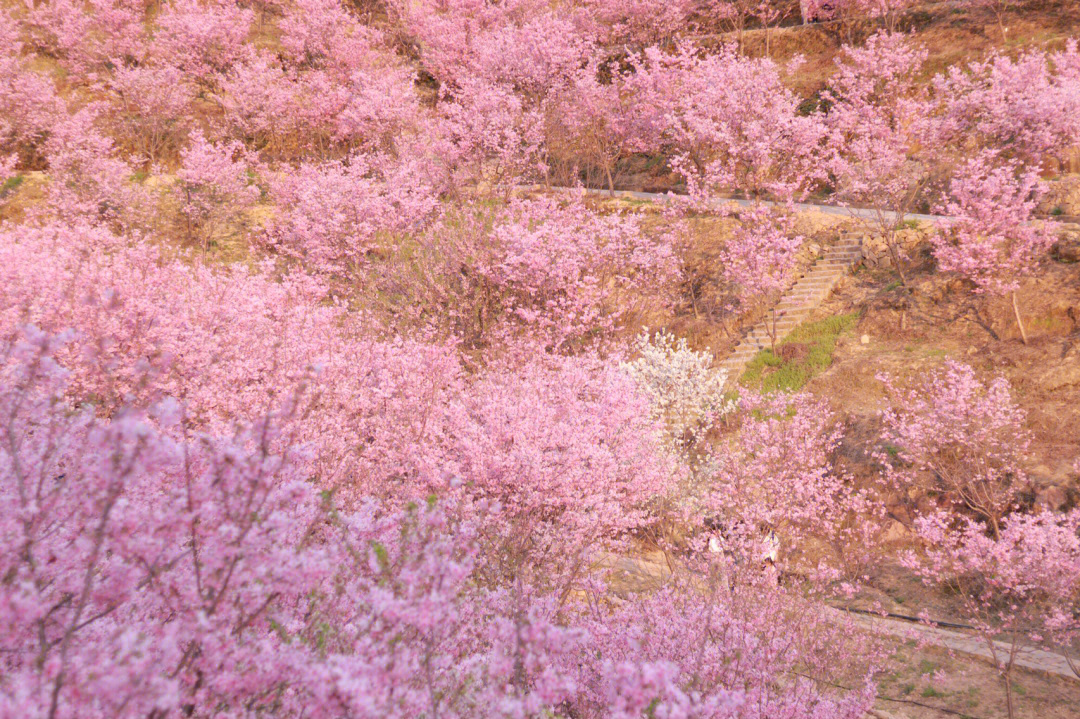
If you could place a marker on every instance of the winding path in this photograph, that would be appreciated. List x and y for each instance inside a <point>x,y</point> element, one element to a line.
<point>870,214</point>
<point>644,575</point>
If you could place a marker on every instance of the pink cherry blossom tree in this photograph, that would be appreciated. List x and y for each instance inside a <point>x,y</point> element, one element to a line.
<point>775,473</point>
<point>88,181</point>
<point>330,216</point>
<point>525,44</point>
<point>224,340</point>
<point>733,125</point>
<point>879,120</point>
<point>29,106</point>
<point>87,37</point>
<point>706,652</point>
<point>952,433</point>
<point>568,449</point>
<point>1018,586</point>
<point>493,137</point>
<point>161,570</point>
<point>1024,107</point>
<point>993,240</point>
<point>640,22</point>
<point>201,38</point>
<point>557,268</point>
<point>759,258</point>
<point>213,188</point>
<point>151,109</point>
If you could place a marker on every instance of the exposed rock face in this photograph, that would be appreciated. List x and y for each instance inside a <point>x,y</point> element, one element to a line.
<point>1052,497</point>
<point>1067,249</point>
<point>876,249</point>
<point>1061,375</point>
<point>1062,196</point>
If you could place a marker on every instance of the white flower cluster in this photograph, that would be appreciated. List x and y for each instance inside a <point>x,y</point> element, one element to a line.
<point>681,384</point>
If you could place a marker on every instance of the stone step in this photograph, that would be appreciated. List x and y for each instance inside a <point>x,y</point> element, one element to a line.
<point>799,302</point>
<point>766,337</point>
<point>781,323</point>
<point>809,296</point>
<point>759,334</point>
<point>805,287</point>
<point>780,332</point>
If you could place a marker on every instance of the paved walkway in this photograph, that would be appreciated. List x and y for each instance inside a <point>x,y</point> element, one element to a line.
<point>634,575</point>
<point>870,214</point>
<point>1027,656</point>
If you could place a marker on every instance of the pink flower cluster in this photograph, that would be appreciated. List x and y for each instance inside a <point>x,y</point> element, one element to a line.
<point>994,240</point>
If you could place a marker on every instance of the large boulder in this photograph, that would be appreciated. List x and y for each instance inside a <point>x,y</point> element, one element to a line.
<point>1067,248</point>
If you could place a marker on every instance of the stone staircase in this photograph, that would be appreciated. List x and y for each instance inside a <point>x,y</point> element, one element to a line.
<point>798,302</point>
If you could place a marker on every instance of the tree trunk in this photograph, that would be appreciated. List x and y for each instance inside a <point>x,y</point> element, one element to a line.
<point>1008,696</point>
<point>894,255</point>
<point>1007,676</point>
<point>1019,322</point>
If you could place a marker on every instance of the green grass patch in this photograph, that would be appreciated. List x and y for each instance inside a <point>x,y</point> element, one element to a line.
<point>10,184</point>
<point>807,351</point>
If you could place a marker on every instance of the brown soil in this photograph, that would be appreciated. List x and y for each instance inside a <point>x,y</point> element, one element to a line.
<point>929,683</point>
